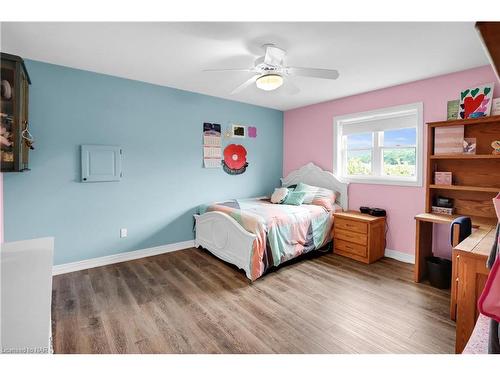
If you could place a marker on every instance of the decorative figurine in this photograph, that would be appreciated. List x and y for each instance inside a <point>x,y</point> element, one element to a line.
<point>496,147</point>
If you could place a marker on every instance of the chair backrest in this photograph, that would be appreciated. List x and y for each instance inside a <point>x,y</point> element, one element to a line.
<point>461,228</point>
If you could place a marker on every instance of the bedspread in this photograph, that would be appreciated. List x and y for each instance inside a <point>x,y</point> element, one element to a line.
<point>283,231</point>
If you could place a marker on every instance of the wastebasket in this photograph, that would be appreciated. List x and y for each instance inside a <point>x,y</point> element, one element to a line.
<point>439,272</point>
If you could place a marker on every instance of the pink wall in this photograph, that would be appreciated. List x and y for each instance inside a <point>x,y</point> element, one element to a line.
<point>308,136</point>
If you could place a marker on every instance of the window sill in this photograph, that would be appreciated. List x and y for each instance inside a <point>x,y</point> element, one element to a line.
<point>381,181</point>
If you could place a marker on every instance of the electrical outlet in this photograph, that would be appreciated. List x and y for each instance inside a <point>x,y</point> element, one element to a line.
<point>123,233</point>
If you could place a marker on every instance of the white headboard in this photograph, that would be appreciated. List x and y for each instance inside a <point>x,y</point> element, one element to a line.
<point>311,174</point>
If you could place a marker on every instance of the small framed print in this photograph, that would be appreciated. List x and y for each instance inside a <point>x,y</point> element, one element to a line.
<point>453,109</point>
<point>469,145</point>
<point>495,107</point>
<point>238,131</point>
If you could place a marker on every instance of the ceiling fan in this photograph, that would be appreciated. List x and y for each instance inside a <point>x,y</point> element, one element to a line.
<point>271,72</point>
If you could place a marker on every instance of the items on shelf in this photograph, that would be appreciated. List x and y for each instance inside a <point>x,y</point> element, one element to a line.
<point>496,147</point>
<point>470,146</point>
<point>475,102</point>
<point>444,202</point>
<point>6,90</point>
<point>495,107</point>
<point>443,178</point>
<point>452,113</point>
<point>6,139</point>
<point>442,210</point>
<point>449,140</point>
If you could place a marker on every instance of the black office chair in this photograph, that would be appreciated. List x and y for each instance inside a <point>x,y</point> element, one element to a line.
<point>464,226</point>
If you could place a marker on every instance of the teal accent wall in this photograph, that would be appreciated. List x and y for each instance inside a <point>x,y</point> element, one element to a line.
<point>160,131</point>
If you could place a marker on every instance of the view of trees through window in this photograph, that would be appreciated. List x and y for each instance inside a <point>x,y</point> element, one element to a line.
<point>397,150</point>
<point>399,162</point>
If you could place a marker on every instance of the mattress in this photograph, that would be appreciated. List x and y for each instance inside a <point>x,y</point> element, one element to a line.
<point>283,232</point>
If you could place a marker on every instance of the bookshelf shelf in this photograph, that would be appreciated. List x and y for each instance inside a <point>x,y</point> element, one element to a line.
<point>466,188</point>
<point>464,157</point>
<point>492,120</point>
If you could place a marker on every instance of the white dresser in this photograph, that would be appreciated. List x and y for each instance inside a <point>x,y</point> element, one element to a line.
<point>26,295</point>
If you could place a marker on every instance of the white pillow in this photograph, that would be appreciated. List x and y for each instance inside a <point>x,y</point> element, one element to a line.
<point>279,195</point>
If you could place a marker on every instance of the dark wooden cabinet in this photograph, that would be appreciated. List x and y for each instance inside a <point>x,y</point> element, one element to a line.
<point>14,125</point>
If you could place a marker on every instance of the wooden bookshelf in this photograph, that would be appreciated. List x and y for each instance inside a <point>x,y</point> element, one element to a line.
<point>476,178</point>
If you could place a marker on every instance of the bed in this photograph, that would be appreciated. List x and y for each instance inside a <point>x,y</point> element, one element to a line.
<point>256,235</point>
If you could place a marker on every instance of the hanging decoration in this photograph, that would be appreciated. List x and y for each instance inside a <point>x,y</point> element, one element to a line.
<point>252,132</point>
<point>211,145</point>
<point>235,159</point>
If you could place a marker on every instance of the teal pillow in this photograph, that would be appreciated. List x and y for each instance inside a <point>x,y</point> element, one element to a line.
<point>295,198</point>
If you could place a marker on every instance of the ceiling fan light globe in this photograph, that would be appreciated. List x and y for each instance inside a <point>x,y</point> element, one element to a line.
<point>269,82</point>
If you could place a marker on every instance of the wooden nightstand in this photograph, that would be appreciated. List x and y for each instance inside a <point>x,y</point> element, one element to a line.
<point>359,236</point>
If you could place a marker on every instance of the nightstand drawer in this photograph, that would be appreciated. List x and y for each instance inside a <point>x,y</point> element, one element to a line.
<point>349,236</point>
<point>350,247</point>
<point>350,225</point>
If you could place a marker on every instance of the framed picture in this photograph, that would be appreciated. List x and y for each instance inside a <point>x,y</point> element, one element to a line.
<point>495,108</point>
<point>453,109</point>
<point>469,145</point>
<point>239,131</point>
<point>476,101</point>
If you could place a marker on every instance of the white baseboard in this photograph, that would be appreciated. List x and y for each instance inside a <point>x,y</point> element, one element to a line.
<point>122,257</point>
<point>399,255</point>
<point>131,255</point>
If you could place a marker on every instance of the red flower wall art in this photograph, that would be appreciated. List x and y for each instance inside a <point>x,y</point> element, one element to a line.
<point>235,159</point>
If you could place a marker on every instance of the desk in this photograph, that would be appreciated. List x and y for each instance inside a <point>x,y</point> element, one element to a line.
<point>469,271</point>
<point>423,238</point>
<point>469,276</point>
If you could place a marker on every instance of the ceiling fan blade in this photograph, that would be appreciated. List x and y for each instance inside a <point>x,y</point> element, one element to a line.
<point>245,84</point>
<point>229,70</point>
<point>313,72</point>
<point>274,55</point>
<point>290,88</point>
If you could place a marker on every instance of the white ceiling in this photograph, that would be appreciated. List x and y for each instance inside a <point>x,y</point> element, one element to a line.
<point>368,56</point>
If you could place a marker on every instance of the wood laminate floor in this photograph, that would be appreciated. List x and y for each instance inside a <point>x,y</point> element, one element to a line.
<point>191,302</point>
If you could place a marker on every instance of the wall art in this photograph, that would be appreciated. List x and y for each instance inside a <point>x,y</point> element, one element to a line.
<point>212,154</point>
<point>476,101</point>
<point>239,131</point>
<point>252,132</point>
<point>235,159</point>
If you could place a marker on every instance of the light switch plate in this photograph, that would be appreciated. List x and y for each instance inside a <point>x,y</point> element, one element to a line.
<point>123,232</point>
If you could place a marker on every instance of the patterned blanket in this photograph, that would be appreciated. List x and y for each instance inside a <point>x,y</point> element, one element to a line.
<point>283,231</point>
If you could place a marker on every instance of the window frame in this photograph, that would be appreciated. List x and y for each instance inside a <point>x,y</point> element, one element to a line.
<point>377,176</point>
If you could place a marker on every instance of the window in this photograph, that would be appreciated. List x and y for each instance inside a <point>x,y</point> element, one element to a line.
<point>383,146</point>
